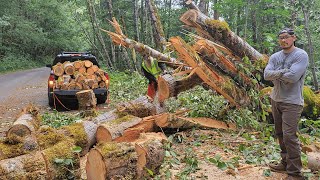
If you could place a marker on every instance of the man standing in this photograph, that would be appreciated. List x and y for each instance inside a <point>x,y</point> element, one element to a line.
<point>287,70</point>
<point>151,70</point>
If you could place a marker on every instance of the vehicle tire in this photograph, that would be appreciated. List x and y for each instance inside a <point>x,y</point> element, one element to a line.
<point>101,99</point>
<point>50,99</point>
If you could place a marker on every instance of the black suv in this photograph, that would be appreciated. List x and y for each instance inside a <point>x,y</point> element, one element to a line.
<point>59,97</point>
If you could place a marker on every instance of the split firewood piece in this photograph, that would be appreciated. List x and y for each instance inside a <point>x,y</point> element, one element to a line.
<point>102,84</point>
<point>147,124</point>
<point>112,161</point>
<point>28,166</point>
<point>221,32</point>
<point>92,69</point>
<point>58,69</point>
<point>78,64</point>
<point>149,148</point>
<point>26,123</point>
<point>111,130</point>
<point>86,99</point>
<point>69,69</point>
<point>167,120</point>
<point>170,86</point>
<point>314,161</point>
<point>83,134</point>
<point>220,83</point>
<point>14,146</point>
<point>87,63</point>
<point>140,107</point>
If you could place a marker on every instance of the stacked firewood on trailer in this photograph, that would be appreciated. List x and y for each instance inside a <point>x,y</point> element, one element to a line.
<point>78,75</point>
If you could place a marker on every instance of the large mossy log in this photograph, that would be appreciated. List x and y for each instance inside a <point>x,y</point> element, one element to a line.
<point>28,166</point>
<point>39,164</point>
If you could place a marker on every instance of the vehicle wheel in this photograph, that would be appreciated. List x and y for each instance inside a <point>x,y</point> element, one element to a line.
<point>50,99</point>
<point>101,99</point>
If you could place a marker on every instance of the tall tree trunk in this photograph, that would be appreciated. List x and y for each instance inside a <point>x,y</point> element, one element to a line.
<point>310,47</point>
<point>136,20</point>
<point>142,21</point>
<point>158,33</point>
<point>168,20</point>
<point>110,16</point>
<point>93,17</point>
<point>293,14</point>
<point>254,22</point>
<point>215,12</point>
<point>203,7</point>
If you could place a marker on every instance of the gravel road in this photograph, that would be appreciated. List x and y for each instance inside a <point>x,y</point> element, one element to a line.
<point>17,90</point>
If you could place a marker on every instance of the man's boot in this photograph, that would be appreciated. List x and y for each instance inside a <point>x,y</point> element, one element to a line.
<point>280,167</point>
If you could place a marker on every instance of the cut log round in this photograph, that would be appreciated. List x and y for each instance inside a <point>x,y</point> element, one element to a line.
<point>111,130</point>
<point>58,69</point>
<point>112,161</point>
<point>166,87</point>
<point>149,148</point>
<point>78,64</point>
<point>87,63</point>
<point>69,69</point>
<point>314,161</point>
<point>29,166</point>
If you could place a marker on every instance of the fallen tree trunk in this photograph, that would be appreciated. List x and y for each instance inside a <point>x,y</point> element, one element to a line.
<point>220,31</point>
<point>222,84</point>
<point>167,120</point>
<point>40,164</point>
<point>29,166</point>
<point>14,146</point>
<point>218,62</point>
<point>170,86</point>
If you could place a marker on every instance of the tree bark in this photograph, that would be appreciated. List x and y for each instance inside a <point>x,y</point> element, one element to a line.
<point>310,47</point>
<point>220,31</point>
<point>167,120</point>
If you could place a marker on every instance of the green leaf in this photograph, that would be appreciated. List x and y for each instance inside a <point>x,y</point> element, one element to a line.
<point>77,149</point>
<point>150,172</point>
<point>222,165</point>
<point>58,161</point>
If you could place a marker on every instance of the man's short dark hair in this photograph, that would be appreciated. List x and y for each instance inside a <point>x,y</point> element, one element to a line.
<point>287,30</point>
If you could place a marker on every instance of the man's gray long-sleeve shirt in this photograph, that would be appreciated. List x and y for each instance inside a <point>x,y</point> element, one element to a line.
<point>287,72</point>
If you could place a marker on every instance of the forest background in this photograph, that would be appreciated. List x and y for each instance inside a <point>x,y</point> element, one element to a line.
<point>34,31</point>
